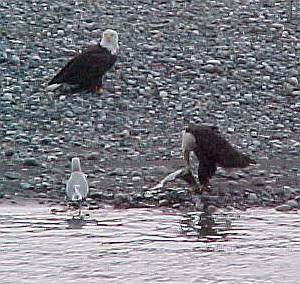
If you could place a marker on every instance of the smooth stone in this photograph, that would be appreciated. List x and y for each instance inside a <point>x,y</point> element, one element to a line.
<point>31,162</point>
<point>213,61</point>
<point>94,206</point>
<point>57,210</point>
<point>293,203</point>
<point>163,94</point>
<point>26,186</point>
<point>253,197</point>
<point>293,81</point>
<point>283,207</point>
<point>122,199</point>
<point>9,152</point>
<point>69,114</point>
<point>92,155</point>
<point>212,209</point>
<point>136,178</point>
<point>163,202</point>
<point>117,172</point>
<point>258,181</point>
<point>176,205</point>
<point>296,93</point>
<point>15,59</point>
<point>12,175</point>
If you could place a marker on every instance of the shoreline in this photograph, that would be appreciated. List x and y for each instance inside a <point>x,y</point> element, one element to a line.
<point>231,64</point>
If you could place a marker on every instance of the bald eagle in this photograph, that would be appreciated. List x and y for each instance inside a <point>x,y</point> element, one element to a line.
<point>211,150</point>
<point>86,69</point>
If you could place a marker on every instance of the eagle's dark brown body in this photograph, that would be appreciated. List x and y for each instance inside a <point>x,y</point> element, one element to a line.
<point>213,150</point>
<point>87,68</point>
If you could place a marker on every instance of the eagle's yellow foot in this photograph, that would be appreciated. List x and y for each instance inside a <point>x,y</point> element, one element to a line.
<point>99,90</point>
<point>199,188</point>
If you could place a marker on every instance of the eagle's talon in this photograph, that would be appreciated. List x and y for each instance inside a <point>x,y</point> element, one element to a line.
<point>200,188</point>
<point>99,90</point>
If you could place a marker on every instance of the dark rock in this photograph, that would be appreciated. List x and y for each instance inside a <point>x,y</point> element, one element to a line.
<point>31,162</point>
<point>163,202</point>
<point>258,181</point>
<point>12,175</point>
<point>9,152</point>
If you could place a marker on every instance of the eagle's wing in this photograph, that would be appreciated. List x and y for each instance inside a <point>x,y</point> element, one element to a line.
<point>229,157</point>
<point>83,68</point>
<point>213,147</point>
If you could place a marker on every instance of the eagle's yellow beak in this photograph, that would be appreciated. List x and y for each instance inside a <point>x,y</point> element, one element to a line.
<point>108,37</point>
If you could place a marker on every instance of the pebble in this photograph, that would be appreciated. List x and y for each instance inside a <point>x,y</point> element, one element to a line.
<point>258,181</point>
<point>296,93</point>
<point>92,155</point>
<point>12,175</point>
<point>283,207</point>
<point>15,59</point>
<point>9,152</point>
<point>293,81</point>
<point>293,203</point>
<point>117,172</point>
<point>212,209</point>
<point>26,186</point>
<point>136,179</point>
<point>31,162</point>
<point>253,198</point>
<point>163,202</point>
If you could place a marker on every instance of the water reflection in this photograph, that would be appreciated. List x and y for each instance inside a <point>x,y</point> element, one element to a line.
<point>148,246</point>
<point>76,223</point>
<point>203,224</point>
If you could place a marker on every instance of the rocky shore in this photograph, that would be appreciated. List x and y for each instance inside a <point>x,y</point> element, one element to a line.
<point>234,64</point>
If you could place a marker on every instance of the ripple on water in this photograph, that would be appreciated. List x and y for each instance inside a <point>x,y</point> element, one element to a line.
<point>142,245</point>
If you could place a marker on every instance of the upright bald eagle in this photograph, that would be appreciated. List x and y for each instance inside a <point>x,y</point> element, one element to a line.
<point>86,69</point>
<point>211,150</point>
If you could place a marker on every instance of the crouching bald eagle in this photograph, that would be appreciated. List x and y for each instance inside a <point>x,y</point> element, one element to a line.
<point>211,150</point>
<point>86,69</point>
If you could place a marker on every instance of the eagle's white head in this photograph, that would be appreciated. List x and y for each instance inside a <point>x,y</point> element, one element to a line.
<point>188,144</point>
<point>76,165</point>
<point>188,141</point>
<point>110,40</point>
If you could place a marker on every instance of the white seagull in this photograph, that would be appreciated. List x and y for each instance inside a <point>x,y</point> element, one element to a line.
<point>77,186</point>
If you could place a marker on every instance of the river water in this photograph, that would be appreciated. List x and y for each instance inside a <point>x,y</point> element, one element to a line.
<point>148,246</point>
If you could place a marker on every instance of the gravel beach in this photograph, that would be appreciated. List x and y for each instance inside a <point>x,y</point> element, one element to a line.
<point>234,64</point>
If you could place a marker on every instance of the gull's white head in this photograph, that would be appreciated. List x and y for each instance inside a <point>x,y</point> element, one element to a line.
<point>76,165</point>
<point>110,40</point>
